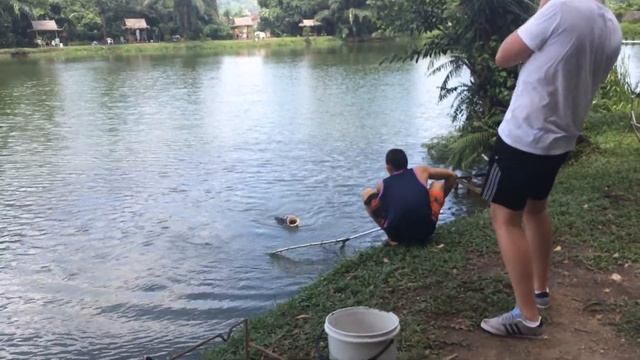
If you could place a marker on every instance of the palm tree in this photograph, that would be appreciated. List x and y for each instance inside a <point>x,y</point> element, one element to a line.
<point>186,10</point>
<point>347,16</point>
<point>466,39</point>
<point>15,8</point>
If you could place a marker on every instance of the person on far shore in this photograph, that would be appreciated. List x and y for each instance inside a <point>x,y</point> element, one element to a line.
<point>568,47</point>
<point>403,204</point>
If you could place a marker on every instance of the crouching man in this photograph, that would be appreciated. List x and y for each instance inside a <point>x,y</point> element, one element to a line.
<point>403,204</point>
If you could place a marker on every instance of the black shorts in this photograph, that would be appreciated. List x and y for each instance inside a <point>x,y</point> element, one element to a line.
<point>516,176</point>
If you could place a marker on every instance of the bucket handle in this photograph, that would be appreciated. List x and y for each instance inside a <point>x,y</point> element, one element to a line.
<point>320,356</point>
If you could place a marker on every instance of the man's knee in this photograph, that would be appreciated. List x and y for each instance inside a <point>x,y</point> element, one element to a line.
<point>503,216</point>
<point>437,186</point>
<point>366,193</point>
<point>535,207</point>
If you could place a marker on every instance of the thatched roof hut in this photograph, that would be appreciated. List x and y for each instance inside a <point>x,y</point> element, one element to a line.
<point>243,27</point>
<point>309,23</point>
<point>136,29</point>
<point>44,26</point>
<point>631,16</point>
<point>135,24</point>
<point>243,21</point>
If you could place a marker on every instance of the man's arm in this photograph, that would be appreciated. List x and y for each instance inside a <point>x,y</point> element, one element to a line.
<point>447,175</point>
<point>433,173</point>
<point>514,50</point>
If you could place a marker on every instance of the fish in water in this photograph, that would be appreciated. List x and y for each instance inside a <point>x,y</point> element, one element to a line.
<point>291,221</point>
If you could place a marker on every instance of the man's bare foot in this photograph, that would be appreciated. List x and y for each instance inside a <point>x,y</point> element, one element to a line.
<point>389,242</point>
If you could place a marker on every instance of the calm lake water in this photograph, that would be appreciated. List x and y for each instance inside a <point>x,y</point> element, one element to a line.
<point>137,194</point>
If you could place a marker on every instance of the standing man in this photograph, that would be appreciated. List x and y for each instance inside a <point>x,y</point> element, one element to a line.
<point>568,47</point>
<point>404,205</point>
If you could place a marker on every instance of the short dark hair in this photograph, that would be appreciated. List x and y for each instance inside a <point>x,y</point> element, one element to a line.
<point>397,159</point>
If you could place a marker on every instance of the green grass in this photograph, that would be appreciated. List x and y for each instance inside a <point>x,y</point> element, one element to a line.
<point>437,290</point>
<point>629,323</point>
<point>203,47</point>
<point>630,31</point>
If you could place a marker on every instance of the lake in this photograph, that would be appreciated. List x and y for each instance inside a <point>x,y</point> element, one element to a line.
<point>138,194</point>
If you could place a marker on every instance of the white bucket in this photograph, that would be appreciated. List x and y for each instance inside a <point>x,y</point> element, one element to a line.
<point>360,333</point>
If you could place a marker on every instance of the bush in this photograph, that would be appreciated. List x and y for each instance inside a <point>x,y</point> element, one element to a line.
<point>217,31</point>
<point>617,93</point>
<point>630,31</point>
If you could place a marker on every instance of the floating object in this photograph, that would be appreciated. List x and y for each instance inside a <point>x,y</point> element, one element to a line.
<point>288,220</point>
<point>320,243</point>
<point>362,333</point>
<point>616,277</point>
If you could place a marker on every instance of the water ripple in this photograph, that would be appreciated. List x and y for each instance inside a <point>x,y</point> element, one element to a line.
<point>138,194</point>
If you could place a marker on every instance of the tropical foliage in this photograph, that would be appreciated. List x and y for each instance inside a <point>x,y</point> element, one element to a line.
<point>617,94</point>
<point>89,20</point>
<point>464,37</point>
<point>343,18</point>
<point>465,42</point>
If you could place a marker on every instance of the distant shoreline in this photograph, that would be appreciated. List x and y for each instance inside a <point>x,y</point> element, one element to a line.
<point>197,47</point>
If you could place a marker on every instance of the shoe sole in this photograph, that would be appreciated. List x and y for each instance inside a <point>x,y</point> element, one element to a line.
<point>531,337</point>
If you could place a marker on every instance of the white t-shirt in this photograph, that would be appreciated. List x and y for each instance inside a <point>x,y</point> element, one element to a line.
<point>575,44</point>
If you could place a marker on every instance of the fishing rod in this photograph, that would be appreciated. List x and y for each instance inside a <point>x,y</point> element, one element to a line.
<point>326,242</point>
<point>467,177</point>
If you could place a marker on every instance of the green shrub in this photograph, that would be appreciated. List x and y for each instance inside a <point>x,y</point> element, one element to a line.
<point>630,31</point>
<point>217,31</point>
<point>617,93</point>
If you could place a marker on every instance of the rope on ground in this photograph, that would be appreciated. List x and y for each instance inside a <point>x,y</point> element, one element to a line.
<point>225,336</point>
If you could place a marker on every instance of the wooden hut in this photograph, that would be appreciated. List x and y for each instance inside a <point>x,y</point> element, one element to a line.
<point>42,28</point>
<point>136,29</point>
<point>631,16</point>
<point>243,27</point>
<point>312,24</point>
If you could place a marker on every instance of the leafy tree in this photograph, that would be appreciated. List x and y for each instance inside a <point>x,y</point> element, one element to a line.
<point>15,18</point>
<point>347,18</point>
<point>464,37</point>
<point>344,18</point>
<point>191,16</point>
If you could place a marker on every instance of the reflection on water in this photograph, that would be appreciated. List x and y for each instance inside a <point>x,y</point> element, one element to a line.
<point>138,194</point>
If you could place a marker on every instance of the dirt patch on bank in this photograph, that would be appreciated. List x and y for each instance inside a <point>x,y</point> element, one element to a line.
<point>581,323</point>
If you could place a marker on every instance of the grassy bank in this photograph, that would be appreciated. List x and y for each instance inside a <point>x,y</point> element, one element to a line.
<point>630,31</point>
<point>449,287</point>
<point>203,47</point>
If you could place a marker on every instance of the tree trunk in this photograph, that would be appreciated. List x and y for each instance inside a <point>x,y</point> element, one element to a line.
<point>188,13</point>
<point>103,23</point>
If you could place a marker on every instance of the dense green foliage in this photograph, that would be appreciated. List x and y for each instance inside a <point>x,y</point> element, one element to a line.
<point>630,31</point>
<point>343,18</point>
<point>465,37</point>
<point>619,7</point>
<point>617,93</point>
<point>89,20</point>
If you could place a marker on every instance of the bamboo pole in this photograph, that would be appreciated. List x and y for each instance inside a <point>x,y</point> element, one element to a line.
<point>326,242</point>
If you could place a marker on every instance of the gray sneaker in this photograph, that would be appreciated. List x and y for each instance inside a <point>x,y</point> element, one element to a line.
<point>511,324</point>
<point>542,300</point>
